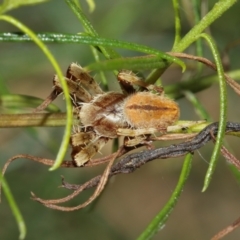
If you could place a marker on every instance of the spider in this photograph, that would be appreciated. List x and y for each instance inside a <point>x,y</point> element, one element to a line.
<point>108,115</point>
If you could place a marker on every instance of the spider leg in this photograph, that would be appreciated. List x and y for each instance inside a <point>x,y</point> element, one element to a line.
<point>137,132</point>
<point>85,145</point>
<point>124,78</point>
<point>78,93</point>
<point>134,141</point>
<point>82,138</point>
<point>80,75</point>
<point>134,137</point>
<point>128,78</point>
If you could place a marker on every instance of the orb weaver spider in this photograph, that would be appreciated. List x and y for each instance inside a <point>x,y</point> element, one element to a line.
<point>108,115</point>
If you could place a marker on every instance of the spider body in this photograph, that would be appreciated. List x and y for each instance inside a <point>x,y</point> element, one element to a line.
<point>104,113</point>
<point>104,116</point>
<point>148,110</point>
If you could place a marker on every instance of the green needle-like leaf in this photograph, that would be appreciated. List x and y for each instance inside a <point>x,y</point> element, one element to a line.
<point>219,8</point>
<point>16,212</point>
<point>67,133</point>
<point>223,110</point>
<point>94,41</point>
<point>8,5</point>
<point>160,219</point>
<point>18,102</point>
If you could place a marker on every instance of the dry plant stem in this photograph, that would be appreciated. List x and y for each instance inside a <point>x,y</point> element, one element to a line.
<point>234,161</point>
<point>127,164</point>
<point>89,184</point>
<point>230,158</point>
<point>33,120</point>
<point>131,162</point>
<point>227,230</point>
<point>135,160</point>
<point>235,86</point>
<point>106,159</point>
<point>50,162</point>
<point>99,189</point>
<point>45,161</point>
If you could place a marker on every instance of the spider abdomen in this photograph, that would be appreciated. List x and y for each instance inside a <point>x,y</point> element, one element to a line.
<point>148,110</point>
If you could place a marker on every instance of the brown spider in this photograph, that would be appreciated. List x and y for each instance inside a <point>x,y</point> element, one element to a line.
<point>108,115</point>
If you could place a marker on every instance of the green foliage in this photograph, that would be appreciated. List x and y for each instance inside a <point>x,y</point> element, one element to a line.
<point>155,60</point>
<point>8,5</point>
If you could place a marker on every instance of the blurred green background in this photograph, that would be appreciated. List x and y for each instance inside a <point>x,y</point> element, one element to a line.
<point>129,202</point>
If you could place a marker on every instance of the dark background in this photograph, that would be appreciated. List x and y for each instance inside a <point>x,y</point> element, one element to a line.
<point>129,202</point>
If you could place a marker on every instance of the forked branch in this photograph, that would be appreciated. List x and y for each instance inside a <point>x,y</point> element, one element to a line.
<point>129,163</point>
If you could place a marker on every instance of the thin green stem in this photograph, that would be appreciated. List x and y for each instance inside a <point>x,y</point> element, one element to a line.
<point>108,52</point>
<point>94,41</point>
<point>223,110</point>
<point>130,63</point>
<point>88,28</point>
<point>160,219</point>
<point>177,22</point>
<point>18,102</point>
<point>199,108</point>
<point>197,19</point>
<point>15,210</point>
<point>104,83</point>
<point>8,5</point>
<point>91,5</point>
<point>219,8</point>
<point>39,43</point>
